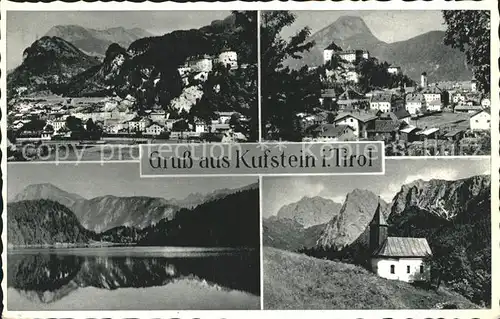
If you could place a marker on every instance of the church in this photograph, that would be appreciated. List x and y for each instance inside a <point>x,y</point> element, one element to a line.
<point>397,258</point>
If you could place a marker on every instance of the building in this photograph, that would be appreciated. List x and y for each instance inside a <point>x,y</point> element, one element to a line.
<point>331,132</point>
<point>434,106</point>
<point>200,64</point>
<point>408,134</point>
<point>480,121</point>
<point>158,116</point>
<point>224,117</point>
<point>429,133</point>
<point>423,79</point>
<point>57,124</point>
<point>415,103</point>
<point>138,124</point>
<point>397,258</point>
<point>394,70</point>
<point>473,85</point>
<point>486,102</point>
<point>383,103</point>
<point>228,58</point>
<point>384,130</point>
<point>467,108</point>
<point>360,121</point>
<point>433,95</point>
<point>352,56</point>
<point>458,98</point>
<point>154,129</point>
<point>200,127</point>
<point>328,52</point>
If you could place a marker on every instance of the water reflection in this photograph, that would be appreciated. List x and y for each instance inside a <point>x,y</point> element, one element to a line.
<point>50,277</point>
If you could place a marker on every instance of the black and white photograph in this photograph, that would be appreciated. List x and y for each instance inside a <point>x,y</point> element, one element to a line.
<point>93,80</point>
<point>418,237</point>
<point>417,80</point>
<point>98,237</point>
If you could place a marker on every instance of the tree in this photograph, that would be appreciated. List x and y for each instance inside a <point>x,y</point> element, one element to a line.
<point>285,92</point>
<point>246,28</point>
<point>469,31</point>
<point>74,124</point>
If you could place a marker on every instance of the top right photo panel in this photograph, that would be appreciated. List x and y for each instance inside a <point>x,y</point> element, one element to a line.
<point>417,80</point>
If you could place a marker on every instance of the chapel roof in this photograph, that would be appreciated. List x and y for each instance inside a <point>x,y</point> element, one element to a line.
<point>404,247</point>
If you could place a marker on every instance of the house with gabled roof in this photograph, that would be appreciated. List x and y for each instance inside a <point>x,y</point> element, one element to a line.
<point>480,121</point>
<point>397,258</point>
<point>359,120</point>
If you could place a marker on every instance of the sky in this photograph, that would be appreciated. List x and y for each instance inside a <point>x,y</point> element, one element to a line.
<point>23,27</point>
<point>388,26</point>
<point>279,191</point>
<point>120,179</point>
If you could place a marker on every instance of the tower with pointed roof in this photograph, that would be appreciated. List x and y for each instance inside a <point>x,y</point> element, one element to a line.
<point>378,230</point>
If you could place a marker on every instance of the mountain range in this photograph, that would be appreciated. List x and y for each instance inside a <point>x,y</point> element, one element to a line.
<point>103,213</point>
<point>96,42</point>
<point>425,52</point>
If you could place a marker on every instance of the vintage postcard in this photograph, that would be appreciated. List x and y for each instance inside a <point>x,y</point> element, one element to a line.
<point>250,159</point>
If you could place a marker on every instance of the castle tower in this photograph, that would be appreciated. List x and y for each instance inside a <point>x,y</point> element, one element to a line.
<point>378,230</point>
<point>423,79</point>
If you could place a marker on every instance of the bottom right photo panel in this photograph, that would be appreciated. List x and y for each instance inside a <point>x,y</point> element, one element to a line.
<point>417,237</point>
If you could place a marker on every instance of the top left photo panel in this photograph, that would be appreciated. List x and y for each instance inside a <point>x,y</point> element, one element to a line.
<point>94,85</point>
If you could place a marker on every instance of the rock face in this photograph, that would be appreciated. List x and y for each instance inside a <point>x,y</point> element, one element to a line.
<point>47,65</point>
<point>43,222</point>
<point>424,52</point>
<point>96,42</point>
<point>310,211</point>
<point>353,218</point>
<point>443,198</point>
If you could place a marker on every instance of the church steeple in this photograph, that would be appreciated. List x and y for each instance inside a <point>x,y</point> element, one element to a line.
<point>378,229</point>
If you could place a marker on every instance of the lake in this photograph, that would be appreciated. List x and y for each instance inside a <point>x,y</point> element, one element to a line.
<point>133,278</point>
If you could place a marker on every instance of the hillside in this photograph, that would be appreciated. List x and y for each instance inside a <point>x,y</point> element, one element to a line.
<point>43,222</point>
<point>47,65</point>
<point>295,281</point>
<point>288,234</point>
<point>425,52</point>
<point>96,42</point>
<point>310,211</point>
<point>103,213</point>
<point>147,68</point>
<point>233,221</point>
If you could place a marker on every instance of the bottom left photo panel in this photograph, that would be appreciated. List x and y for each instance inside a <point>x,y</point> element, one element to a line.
<point>96,236</point>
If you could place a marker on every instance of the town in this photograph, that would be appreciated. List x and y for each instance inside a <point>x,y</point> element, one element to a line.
<point>440,118</point>
<point>54,119</point>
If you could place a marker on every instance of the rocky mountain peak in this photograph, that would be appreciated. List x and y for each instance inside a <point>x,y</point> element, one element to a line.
<point>354,216</point>
<point>441,197</point>
<point>310,211</point>
<point>51,47</point>
<point>48,191</point>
